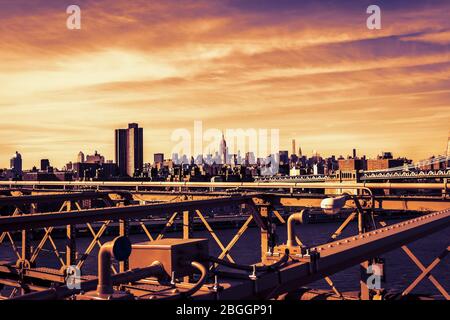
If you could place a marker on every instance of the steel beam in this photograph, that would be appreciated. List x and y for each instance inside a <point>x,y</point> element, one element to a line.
<point>334,257</point>
<point>91,215</point>
<point>244,185</point>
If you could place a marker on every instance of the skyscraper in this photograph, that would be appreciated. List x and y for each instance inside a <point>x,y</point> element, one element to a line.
<point>130,150</point>
<point>293,146</point>
<point>45,163</point>
<point>16,164</point>
<point>223,150</point>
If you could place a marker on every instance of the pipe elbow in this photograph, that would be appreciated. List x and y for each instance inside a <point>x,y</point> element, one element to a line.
<point>299,217</point>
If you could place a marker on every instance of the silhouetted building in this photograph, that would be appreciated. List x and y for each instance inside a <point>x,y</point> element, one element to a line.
<point>95,158</point>
<point>223,150</point>
<point>16,164</point>
<point>130,150</point>
<point>45,164</point>
<point>158,158</point>
<point>93,171</point>
<point>80,157</point>
<point>284,157</point>
<point>47,176</point>
<point>284,162</point>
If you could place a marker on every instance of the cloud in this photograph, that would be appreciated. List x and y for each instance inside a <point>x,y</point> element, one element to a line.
<point>309,68</point>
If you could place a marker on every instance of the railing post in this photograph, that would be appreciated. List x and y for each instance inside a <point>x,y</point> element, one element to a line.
<point>187,231</point>
<point>26,248</point>
<point>70,240</point>
<point>363,226</point>
<point>268,236</point>
<point>187,225</point>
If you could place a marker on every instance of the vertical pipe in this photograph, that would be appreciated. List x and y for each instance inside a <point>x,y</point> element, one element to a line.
<point>120,249</point>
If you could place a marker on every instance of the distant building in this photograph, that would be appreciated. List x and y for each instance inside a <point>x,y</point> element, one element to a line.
<point>284,162</point>
<point>16,164</point>
<point>250,158</point>
<point>223,150</point>
<point>47,176</point>
<point>45,164</point>
<point>385,161</point>
<point>130,150</point>
<point>80,157</point>
<point>158,158</point>
<point>95,158</point>
<point>92,170</point>
<point>352,164</point>
<point>284,157</point>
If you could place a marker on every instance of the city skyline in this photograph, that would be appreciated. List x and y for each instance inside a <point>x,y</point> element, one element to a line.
<point>312,70</point>
<point>131,165</point>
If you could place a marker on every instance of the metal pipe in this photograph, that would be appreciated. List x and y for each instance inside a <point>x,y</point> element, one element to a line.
<point>120,249</point>
<point>200,282</point>
<point>154,270</point>
<point>197,286</point>
<point>299,216</point>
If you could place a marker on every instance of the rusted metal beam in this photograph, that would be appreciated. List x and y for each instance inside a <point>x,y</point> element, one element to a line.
<point>427,271</point>
<point>334,257</point>
<point>244,185</point>
<point>91,215</point>
<point>49,198</point>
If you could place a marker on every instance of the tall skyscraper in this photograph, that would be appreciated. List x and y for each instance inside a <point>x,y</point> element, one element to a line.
<point>45,163</point>
<point>16,164</point>
<point>130,150</point>
<point>293,146</point>
<point>223,150</point>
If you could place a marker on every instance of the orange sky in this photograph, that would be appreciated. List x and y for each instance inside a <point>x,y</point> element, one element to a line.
<point>312,70</point>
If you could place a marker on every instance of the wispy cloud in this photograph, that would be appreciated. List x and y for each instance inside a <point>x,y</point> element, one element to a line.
<point>311,69</point>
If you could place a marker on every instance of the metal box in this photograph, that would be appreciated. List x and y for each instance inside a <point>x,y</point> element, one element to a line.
<point>175,254</point>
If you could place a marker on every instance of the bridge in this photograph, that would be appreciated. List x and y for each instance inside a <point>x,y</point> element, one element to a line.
<point>383,175</point>
<point>35,215</point>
